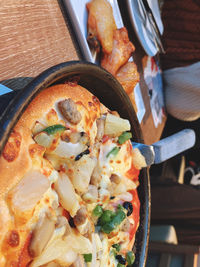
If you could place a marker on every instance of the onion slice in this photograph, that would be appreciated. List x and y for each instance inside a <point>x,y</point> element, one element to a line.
<point>67,150</point>
<point>66,193</point>
<point>28,192</point>
<point>94,251</point>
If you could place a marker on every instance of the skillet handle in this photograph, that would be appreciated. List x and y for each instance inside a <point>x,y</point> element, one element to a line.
<point>166,148</point>
<point>173,145</point>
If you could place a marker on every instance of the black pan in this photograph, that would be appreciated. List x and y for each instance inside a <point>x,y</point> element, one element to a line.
<point>103,85</point>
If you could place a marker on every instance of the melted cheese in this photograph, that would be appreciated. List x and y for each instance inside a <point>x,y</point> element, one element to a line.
<point>113,164</point>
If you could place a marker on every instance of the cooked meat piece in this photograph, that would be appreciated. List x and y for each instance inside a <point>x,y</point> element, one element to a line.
<point>128,76</point>
<point>69,110</point>
<point>100,128</point>
<point>101,24</point>
<point>114,178</point>
<point>121,52</point>
<point>80,216</point>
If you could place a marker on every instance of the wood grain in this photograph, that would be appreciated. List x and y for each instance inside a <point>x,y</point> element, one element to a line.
<point>34,36</point>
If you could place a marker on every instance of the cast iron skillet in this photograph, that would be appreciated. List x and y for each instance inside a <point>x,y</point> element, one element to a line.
<point>103,85</point>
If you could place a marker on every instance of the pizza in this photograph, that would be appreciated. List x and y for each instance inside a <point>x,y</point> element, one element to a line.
<point>69,179</point>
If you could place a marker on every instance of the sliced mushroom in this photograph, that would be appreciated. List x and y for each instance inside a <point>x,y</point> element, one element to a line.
<point>41,235</point>
<point>96,175</point>
<point>81,216</point>
<point>100,128</point>
<point>69,110</point>
<point>79,262</point>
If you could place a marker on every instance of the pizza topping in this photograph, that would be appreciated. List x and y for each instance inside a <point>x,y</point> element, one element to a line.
<point>67,150</point>
<point>79,262</point>
<point>28,192</point>
<point>115,178</point>
<point>114,220</point>
<point>42,233</point>
<point>113,152</point>
<point>44,139</point>
<point>61,221</point>
<point>80,216</point>
<point>75,137</point>
<point>124,137</point>
<point>126,225</point>
<point>67,195</point>
<point>91,195</point>
<point>86,152</point>
<point>121,259</point>
<point>100,128</point>
<point>82,171</point>
<point>54,129</point>
<point>129,207</point>
<point>130,257</point>
<point>116,246</point>
<point>69,110</point>
<point>98,211</point>
<point>96,175</point>
<point>114,125</point>
<point>88,257</point>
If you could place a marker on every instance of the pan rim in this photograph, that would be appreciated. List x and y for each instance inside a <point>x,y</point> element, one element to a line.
<point>50,76</point>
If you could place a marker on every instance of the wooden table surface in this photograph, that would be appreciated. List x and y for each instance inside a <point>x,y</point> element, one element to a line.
<point>35,36</point>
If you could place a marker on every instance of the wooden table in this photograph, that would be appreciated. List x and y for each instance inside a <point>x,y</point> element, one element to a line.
<point>35,36</point>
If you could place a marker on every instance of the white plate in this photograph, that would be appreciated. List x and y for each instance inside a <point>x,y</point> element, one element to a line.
<point>144,31</point>
<point>78,14</point>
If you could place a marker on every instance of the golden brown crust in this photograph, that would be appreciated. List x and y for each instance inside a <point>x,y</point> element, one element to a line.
<point>16,160</point>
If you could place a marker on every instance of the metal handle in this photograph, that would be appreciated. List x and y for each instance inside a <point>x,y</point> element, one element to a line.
<point>173,145</point>
<point>167,148</point>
